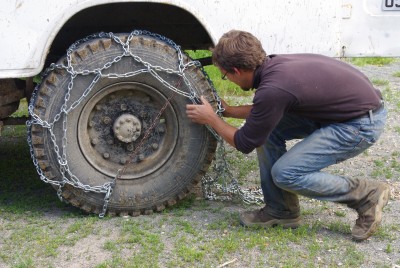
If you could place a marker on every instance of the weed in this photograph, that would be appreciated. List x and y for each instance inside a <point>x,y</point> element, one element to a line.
<point>247,165</point>
<point>338,226</point>
<point>388,248</point>
<point>387,232</point>
<point>22,109</point>
<point>189,254</point>
<point>310,211</point>
<point>380,82</point>
<point>392,96</point>
<point>224,87</point>
<point>234,122</point>
<point>24,262</point>
<point>353,256</point>
<point>385,167</point>
<point>377,61</point>
<point>185,226</point>
<point>111,246</point>
<point>340,213</point>
<point>227,243</point>
<point>224,222</point>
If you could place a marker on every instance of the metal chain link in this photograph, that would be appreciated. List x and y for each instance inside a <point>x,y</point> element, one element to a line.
<point>220,167</point>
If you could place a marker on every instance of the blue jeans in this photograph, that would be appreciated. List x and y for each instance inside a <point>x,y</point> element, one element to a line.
<point>285,174</point>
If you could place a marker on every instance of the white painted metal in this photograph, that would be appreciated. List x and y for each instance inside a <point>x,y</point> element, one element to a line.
<point>334,28</point>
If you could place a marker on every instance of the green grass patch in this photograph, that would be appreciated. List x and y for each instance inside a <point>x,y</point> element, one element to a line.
<point>377,61</point>
<point>243,165</point>
<point>387,167</point>
<point>340,213</point>
<point>189,253</point>
<point>381,170</point>
<point>392,96</point>
<point>22,109</point>
<point>225,88</point>
<point>16,130</point>
<point>339,226</point>
<point>380,82</point>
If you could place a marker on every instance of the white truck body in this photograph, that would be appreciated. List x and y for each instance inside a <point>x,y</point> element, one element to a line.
<point>336,28</point>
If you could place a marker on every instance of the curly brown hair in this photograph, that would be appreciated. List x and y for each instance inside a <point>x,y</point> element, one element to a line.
<point>238,49</point>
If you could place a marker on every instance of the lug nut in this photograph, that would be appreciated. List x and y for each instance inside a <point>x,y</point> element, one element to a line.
<point>129,147</point>
<point>154,146</point>
<point>123,107</point>
<point>91,124</point>
<point>141,157</point>
<point>106,120</point>
<point>94,141</point>
<point>106,155</point>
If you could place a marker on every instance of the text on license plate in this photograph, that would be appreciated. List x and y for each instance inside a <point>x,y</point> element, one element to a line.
<point>391,5</point>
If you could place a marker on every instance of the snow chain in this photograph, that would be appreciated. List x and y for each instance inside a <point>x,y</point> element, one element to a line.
<point>221,186</point>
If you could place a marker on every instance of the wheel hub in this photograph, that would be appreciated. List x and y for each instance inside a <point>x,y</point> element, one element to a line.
<point>111,126</point>
<point>127,128</point>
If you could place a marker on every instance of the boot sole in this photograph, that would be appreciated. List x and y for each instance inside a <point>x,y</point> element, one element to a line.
<point>285,223</point>
<point>382,202</point>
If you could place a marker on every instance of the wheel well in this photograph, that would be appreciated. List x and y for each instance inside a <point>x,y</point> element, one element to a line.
<point>168,20</point>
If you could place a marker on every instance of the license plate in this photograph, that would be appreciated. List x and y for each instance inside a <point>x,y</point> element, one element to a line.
<point>391,5</point>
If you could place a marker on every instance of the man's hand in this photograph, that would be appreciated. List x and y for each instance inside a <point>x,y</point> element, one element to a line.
<point>204,114</point>
<point>201,113</point>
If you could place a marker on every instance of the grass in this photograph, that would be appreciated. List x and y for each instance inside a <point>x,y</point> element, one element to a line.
<point>225,88</point>
<point>393,96</point>
<point>236,159</point>
<point>37,230</point>
<point>380,82</point>
<point>377,61</point>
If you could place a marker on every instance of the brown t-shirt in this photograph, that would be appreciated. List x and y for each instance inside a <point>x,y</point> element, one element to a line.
<point>317,87</point>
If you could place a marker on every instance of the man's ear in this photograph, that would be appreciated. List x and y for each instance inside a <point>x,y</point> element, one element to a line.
<point>236,71</point>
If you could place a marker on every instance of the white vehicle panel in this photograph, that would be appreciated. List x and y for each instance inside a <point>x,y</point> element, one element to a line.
<point>335,28</point>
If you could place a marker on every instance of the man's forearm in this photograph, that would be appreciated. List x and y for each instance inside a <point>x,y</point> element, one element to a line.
<point>241,112</point>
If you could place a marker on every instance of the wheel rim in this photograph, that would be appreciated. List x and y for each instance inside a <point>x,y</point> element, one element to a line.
<point>113,122</point>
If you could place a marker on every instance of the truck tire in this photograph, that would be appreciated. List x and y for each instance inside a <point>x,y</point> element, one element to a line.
<point>108,123</point>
